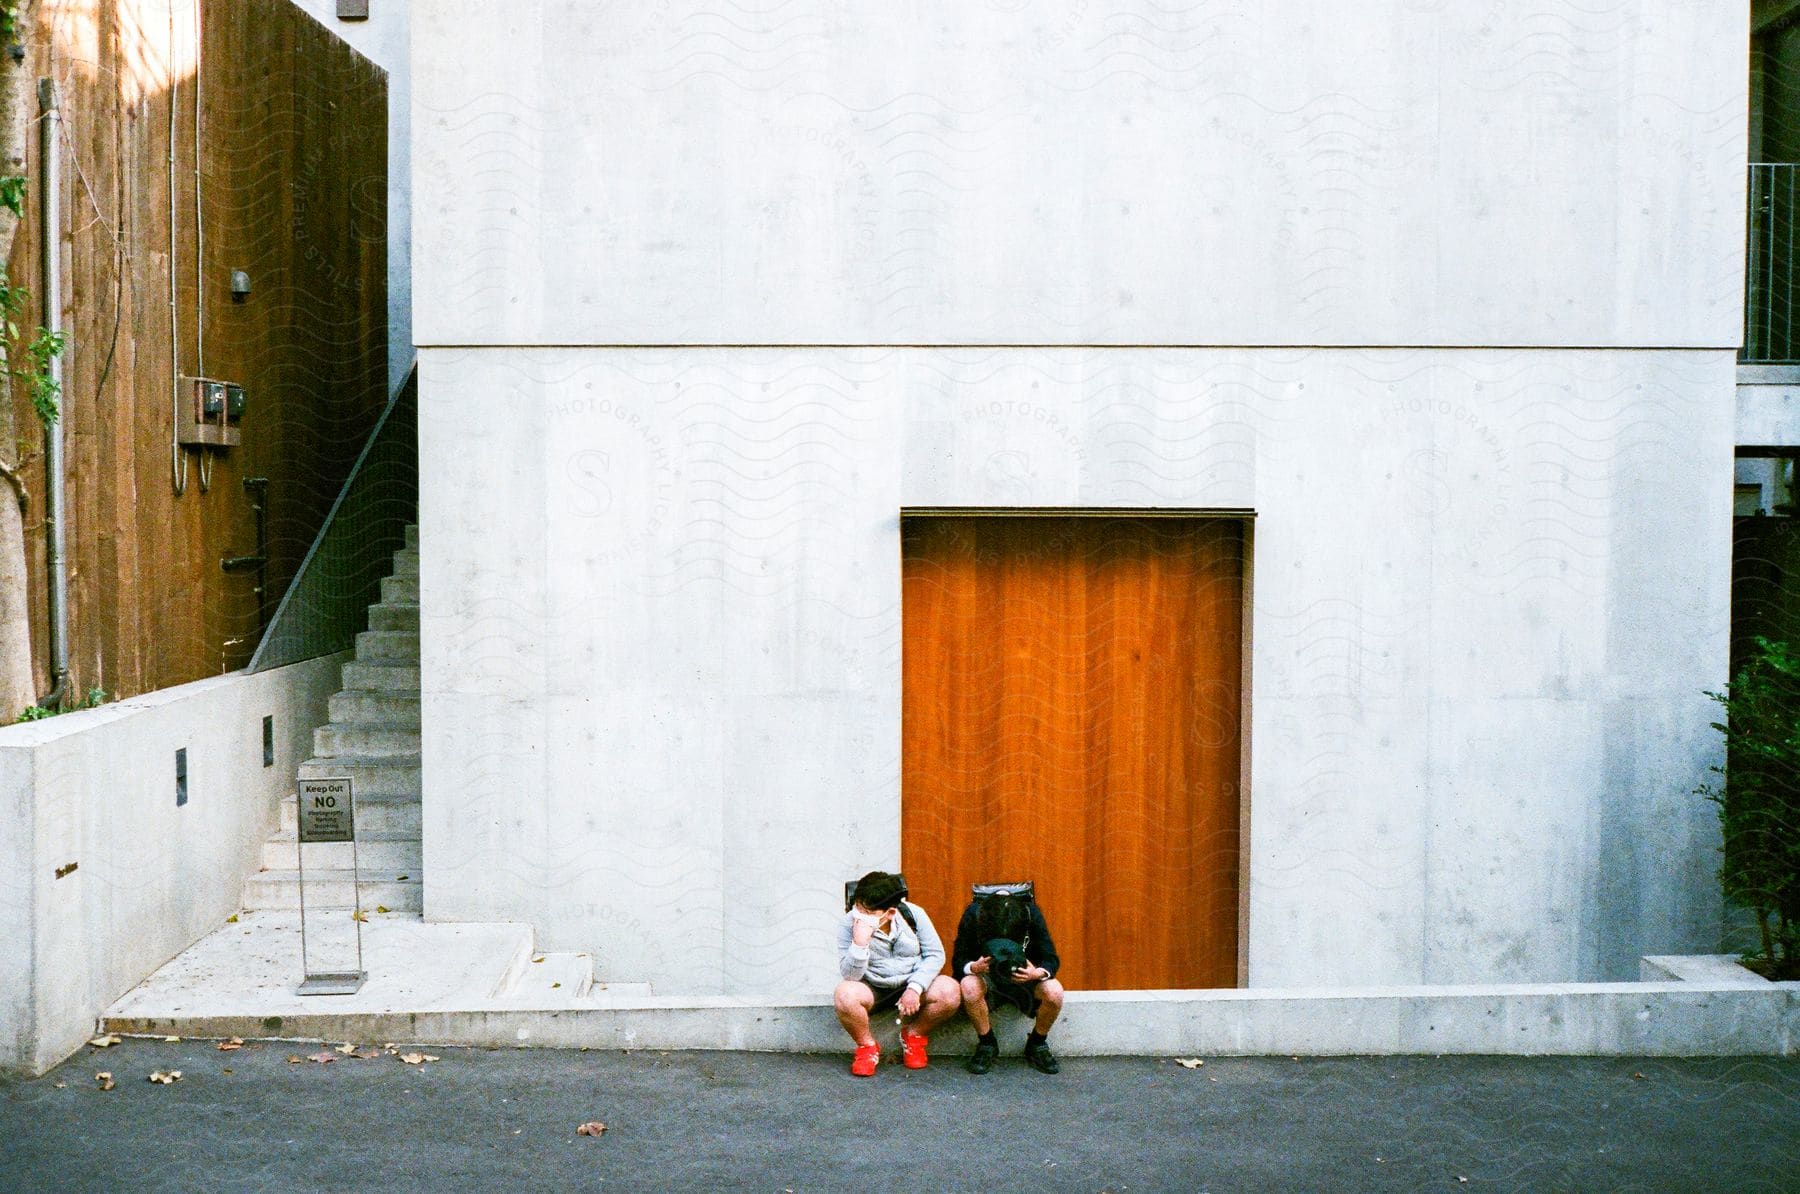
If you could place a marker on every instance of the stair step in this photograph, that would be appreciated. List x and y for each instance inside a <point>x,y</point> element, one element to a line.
<point>393,646</point>
<point>406,562</point>
<point>381,677</point>
<point>558,978</point>
<point>392,776</point>
<point>363,707</point>
<point>400,588</point>
<point>336,889</point>
<point>395,615</point>
<point>348,741</point>
<point>374,852</point>
<point>376,816</point>
<point>412,536</point>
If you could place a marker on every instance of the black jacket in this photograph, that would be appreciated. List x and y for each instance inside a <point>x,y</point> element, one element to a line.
<point>970,945</point>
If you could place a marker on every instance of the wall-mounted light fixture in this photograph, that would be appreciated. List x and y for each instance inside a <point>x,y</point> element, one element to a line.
<point>240,285</point>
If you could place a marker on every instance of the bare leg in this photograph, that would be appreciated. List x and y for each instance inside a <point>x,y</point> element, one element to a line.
<point>939,1003</point>
<point>853,1001</point>
<point>1050,1001</point>
<point>974,1001</point>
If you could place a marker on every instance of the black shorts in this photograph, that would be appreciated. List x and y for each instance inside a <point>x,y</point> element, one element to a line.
<point>1023,996</point>
<point>885,997</point>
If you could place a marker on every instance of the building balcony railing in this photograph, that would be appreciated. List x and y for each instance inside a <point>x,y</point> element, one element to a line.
<point>1771,335</point>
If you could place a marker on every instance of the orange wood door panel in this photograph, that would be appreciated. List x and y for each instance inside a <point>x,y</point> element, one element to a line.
<point>1071,716</point>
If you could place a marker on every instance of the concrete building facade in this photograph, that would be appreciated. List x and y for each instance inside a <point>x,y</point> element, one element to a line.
<point>1443,299</point>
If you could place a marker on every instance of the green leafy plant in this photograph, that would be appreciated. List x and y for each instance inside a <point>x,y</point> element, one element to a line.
<point>9,21</point>
<point>95,698</point>
<point>1758,798</point>
<point>29,360</point>
<point>12,194</point>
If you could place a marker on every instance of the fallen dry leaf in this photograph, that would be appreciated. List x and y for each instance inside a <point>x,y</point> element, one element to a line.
<point>366,1054</point>
<point>346,1047</point>
<point>360,916</point>
<point>104,1080</point>
<point>323,1057</point>
<point>1189,1063</point>
<point>416,1058</point>
<point>236,1042</point>
<point>1637,1078</point>
<point>170,1040</point>
<point>295,1059</point>
<point>383,908</point>
<point>401,878</point>
<point>62,1086</point>
<point>107,1041</point>
<point>232,919</point>
<point>165,1077</point>
<point>591,1128</point>
<point>537,959</point>
<point>226,1070</point>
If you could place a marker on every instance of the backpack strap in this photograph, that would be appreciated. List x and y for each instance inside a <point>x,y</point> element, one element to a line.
<point>911,920</point>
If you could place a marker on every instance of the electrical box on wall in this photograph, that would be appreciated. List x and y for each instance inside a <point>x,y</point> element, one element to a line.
<point>208,413</point>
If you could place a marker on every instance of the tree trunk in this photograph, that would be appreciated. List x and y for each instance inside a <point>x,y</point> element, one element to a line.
<point>17,682</point>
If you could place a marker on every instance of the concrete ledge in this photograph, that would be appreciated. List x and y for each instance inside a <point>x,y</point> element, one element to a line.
<point>1718,969</point>
<point>1768,412</point>
<point>1681,1019</point>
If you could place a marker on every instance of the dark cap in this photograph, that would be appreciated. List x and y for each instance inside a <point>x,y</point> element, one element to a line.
<point>878,889</point>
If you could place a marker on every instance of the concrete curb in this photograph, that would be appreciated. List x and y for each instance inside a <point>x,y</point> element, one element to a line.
<point>1681,1019</point>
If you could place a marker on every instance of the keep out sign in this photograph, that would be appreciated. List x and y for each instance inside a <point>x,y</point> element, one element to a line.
<point>326,811</point>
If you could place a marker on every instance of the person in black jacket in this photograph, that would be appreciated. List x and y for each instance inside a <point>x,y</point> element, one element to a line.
<point>1004,954</point>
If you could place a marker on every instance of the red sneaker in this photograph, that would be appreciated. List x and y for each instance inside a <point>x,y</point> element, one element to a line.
<point>912,1050</point>
<point>863,1064</point>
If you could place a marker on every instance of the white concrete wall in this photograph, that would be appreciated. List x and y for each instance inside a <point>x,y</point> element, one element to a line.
<point>661,634</point>
<point>385,39</point>
<point>96,789</point>
<point>1399,172</point>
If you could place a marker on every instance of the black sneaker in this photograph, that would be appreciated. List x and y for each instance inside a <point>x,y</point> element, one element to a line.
<point>1041,1059</point>
<point>983,1058</point>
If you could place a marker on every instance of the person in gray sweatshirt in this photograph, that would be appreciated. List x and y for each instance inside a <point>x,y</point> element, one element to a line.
<point>890,956</point>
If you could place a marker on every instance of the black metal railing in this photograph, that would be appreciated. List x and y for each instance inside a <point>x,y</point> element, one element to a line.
<point>328,604</point>
<point>1771,336</point>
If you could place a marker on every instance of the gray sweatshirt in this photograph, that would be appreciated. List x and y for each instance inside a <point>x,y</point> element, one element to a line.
<point>893,959</point>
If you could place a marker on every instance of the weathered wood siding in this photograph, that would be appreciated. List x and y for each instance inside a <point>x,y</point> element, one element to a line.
<point>292,188</point>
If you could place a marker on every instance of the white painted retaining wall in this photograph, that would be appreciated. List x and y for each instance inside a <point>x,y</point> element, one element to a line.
<point>1491,470</point>
<point>95,791</point>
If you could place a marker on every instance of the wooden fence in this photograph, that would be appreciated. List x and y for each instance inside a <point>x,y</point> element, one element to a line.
<point>277,134</point>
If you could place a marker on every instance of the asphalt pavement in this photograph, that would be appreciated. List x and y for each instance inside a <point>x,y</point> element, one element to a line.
<point>266,1116</point>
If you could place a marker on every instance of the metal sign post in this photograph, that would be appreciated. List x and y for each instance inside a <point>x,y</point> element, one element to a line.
<point>327,809</point>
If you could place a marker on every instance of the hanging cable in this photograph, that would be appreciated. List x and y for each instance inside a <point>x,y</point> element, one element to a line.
<point>199,249</point>
<point>177,462</point>
<point>199,216</point>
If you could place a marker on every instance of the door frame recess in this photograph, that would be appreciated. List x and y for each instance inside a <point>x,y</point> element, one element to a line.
<point>1246,630</point>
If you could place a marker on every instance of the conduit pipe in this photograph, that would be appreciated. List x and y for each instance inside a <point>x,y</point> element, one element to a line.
<point>55,503</point>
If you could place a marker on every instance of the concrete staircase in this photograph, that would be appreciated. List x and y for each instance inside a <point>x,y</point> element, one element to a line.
<point>372,737</point>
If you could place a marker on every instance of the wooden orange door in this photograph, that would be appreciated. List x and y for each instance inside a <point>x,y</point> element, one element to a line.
<point>1071,716</point>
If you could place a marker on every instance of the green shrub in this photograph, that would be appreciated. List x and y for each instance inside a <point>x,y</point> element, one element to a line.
<point>1758,798</point>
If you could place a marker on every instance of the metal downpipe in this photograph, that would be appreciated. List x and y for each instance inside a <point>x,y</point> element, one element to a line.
<point>55,502</point>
